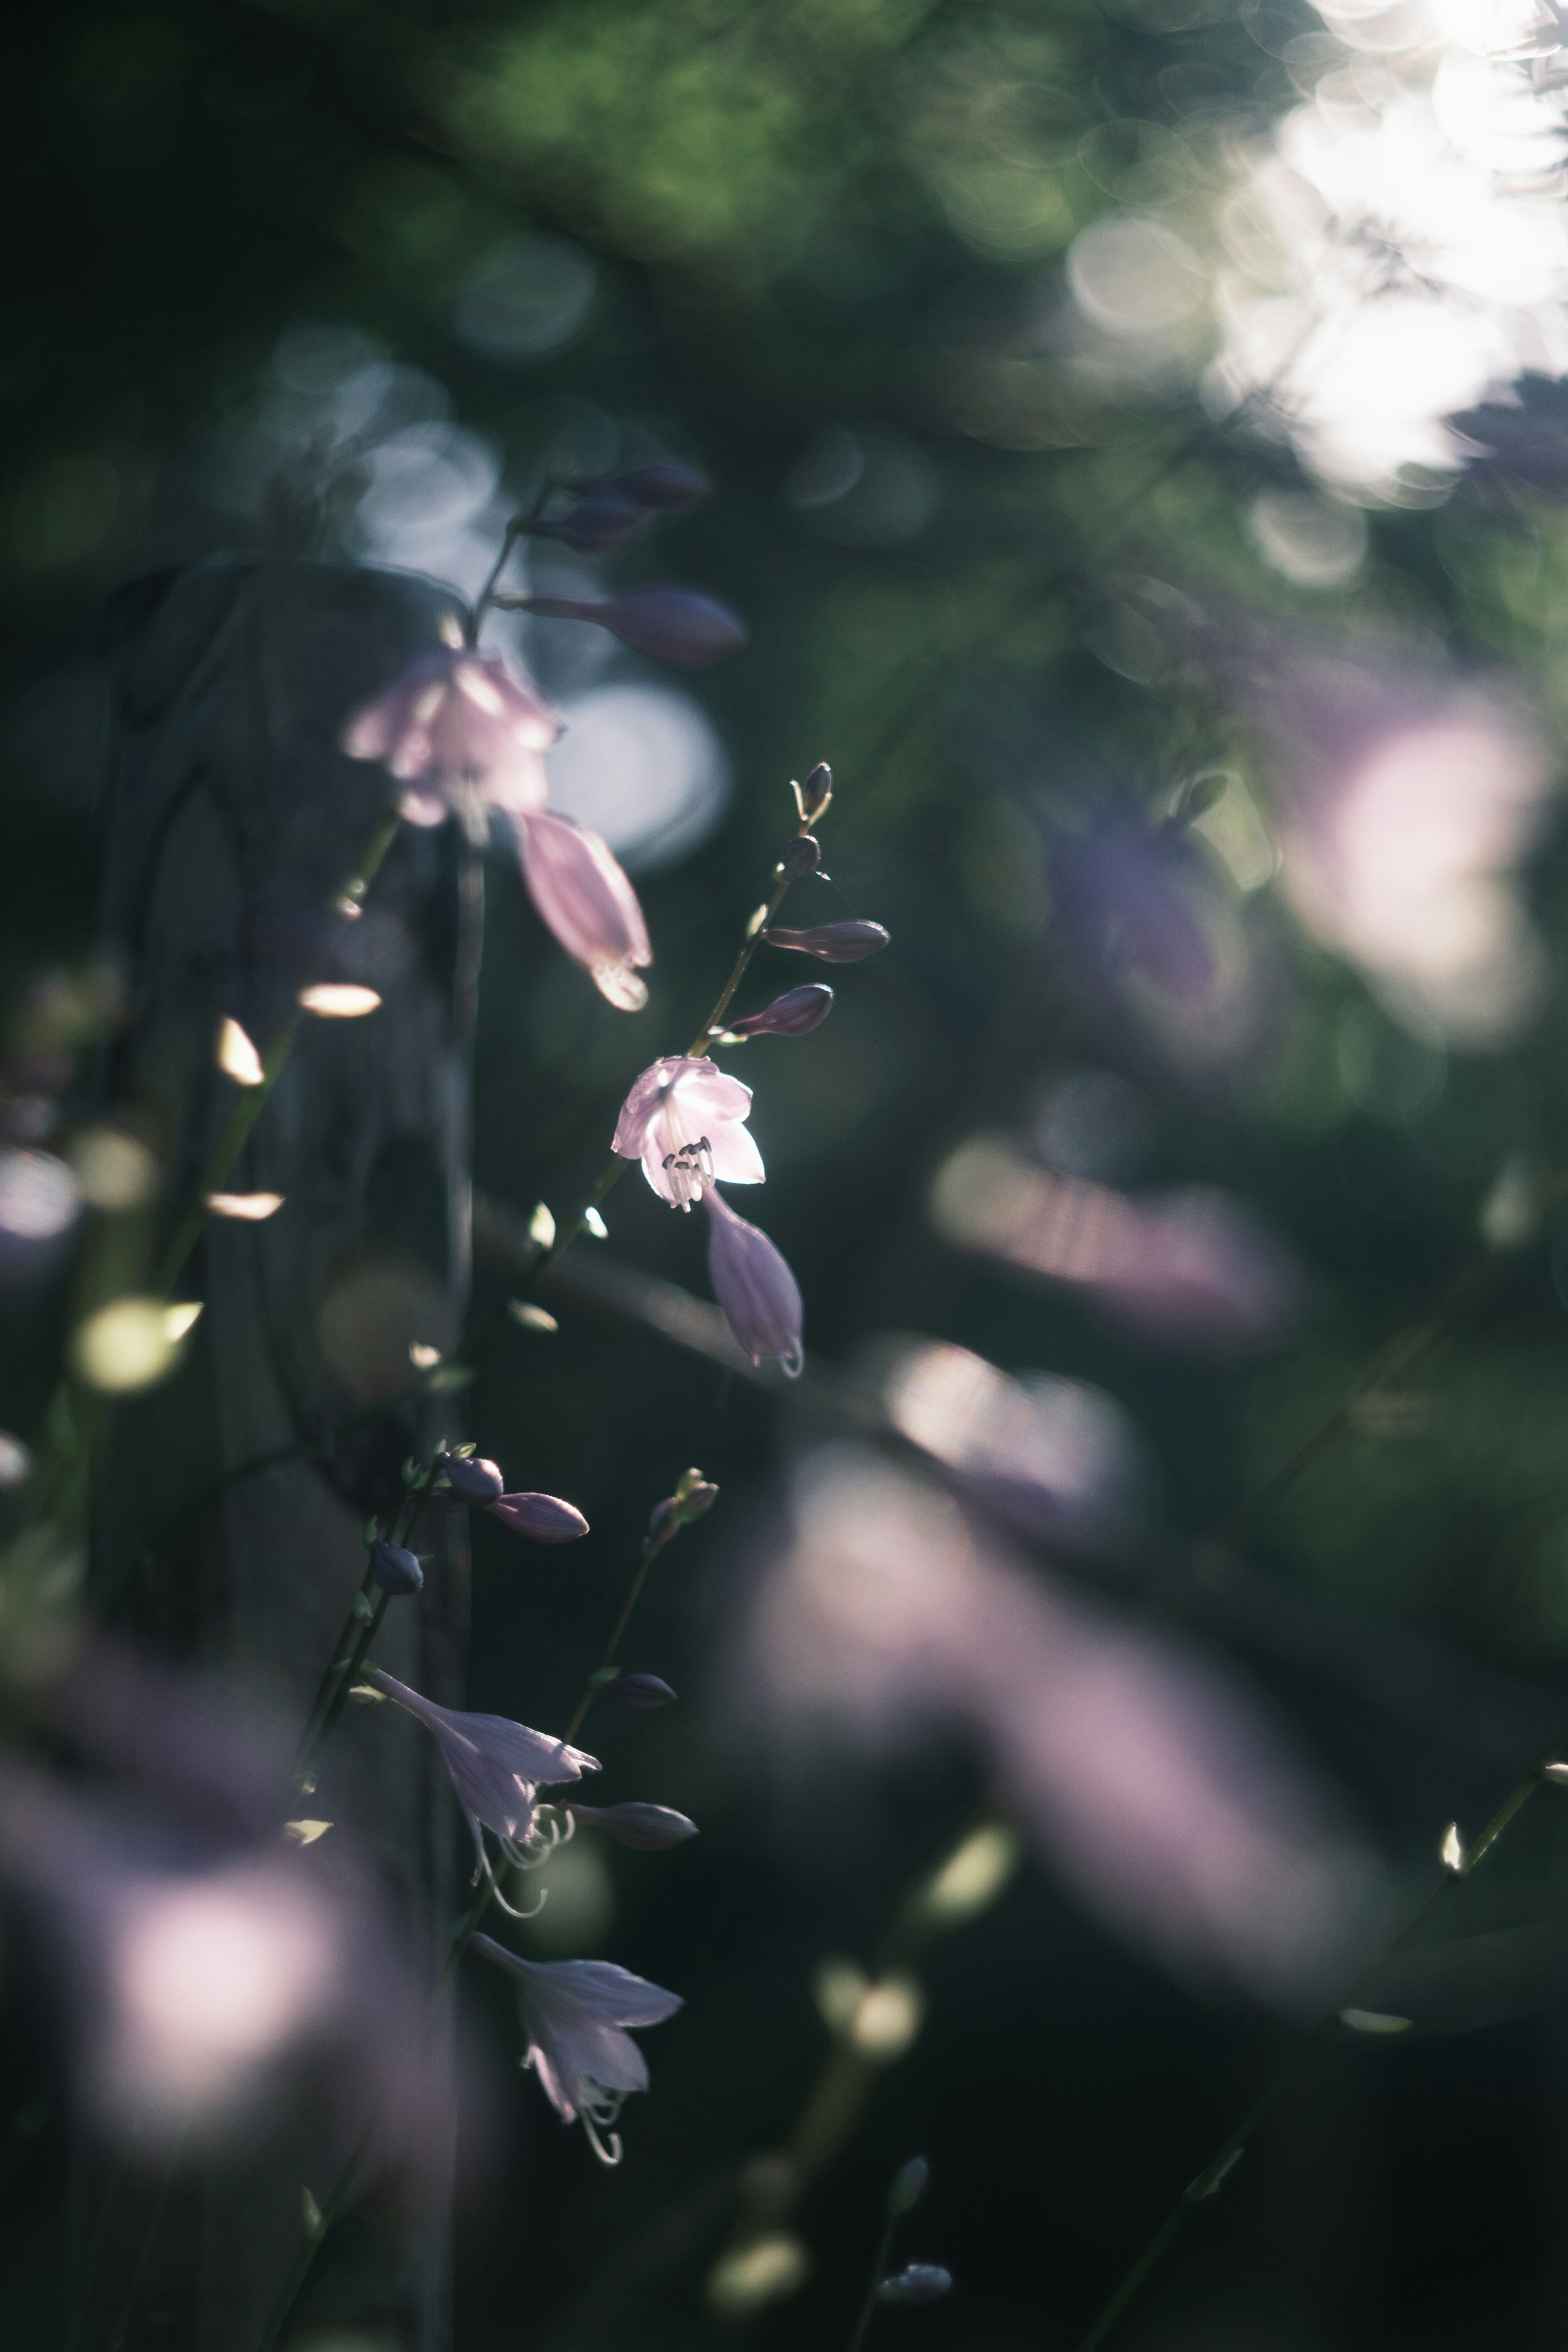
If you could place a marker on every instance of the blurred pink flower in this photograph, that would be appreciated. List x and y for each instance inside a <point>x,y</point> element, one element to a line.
<point>758,1294</point>
<point>1411,796</point>
<point>574,2014</point>
<point>458,717</point>
<point>685,1120</point>
<point>1153,1782</point>
<point>583,896</point>
<point>1053,1457</point>
<point>1193,1268</point>
<point>497,1768</point>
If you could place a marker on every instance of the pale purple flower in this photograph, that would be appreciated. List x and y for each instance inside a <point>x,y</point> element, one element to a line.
<point>497,1768</point>
<point>759,1295</point>
<point>472,1479</point>
<point>395,1569</point>
<point>651,1829</point>
<point>458,717</point>
<point>686,1121</point>
<point>582,896</point>
<point>831,942</point>
<point>543,1519</point>
<point>916,2283</point>
<point>672,624</point>
<point>789,1015</point>
<point>576,2014</point>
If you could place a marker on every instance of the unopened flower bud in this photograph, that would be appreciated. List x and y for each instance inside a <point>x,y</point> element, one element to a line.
<point>693,1495</point>
<point>597,522</point>
<point>833,943</point>
<point>651,1829</point>
<point>544,1518</point>
<point>395,1571</point>
<point>802,855</point>
<point>672,624</point>
<point>789,1015</point>
<point>916,2283</point>
<point>908,2185</point>
<point>641,1692</point>
<point>472,1482</point>
<point>759,1295</point>
<point>813,797</point>
<point>662,489</point>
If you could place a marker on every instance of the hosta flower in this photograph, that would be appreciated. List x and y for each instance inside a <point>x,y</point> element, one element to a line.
<point>576,2014</point>
<point>759,1295</point>
<point>849,942</point>
<point>458,717</point>
<point>686,1121</point>
<point>584,898</point>
<point>497,1768</point>
<point>673,625</point>
<point>459,722</point>
<point>789,1015</point>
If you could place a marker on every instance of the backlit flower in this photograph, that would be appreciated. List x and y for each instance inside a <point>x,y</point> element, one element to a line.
<point>685,1121</point>
<point>543,1519</point>
<point>458,717</point>
<point>759,1295</point>
<point>497,1768</point>
<point>575,2013</point>
<point>582,896</point>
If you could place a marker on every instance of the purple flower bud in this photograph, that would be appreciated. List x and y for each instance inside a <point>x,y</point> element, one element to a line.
<point>916,2283</point>
<point>597,522</point>
<point>672,624</point>
<point>395,1571</point>
<point>543,1519</point>
<point>663,489</point>
<point>789,1015</point>
<point>651,1829</point>
<point>641,1692</point>
<point>908,2185</point>
<point>833,942</point>
<point>815,793</point>
<point>759,1295</point>
<point>471,1481</point>
<point>803,855</point>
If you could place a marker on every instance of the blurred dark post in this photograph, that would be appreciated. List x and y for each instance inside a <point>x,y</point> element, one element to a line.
<point>233,822</point>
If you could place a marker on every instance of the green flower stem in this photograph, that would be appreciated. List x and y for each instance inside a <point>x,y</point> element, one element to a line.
<point>1224,2156</point>
<point>652,1543</point>
<point>123,2317</point>
<point>81,2303</point>
<point>878,2271</point>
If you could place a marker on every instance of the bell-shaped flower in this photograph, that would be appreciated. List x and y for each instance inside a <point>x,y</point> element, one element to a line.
<point>576,2014</point>
<point>497,1768</point>
<point>651,1829</point>
<point>584,898</point>
<point>458,717</point>
<point>543,1519</point>
<point>759,1295</point>
<point>686,1121</point>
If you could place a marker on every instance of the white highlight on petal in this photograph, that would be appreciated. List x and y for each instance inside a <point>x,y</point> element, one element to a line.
<point>765,2270</point>
<point>181,1319</point>
<point>124,1347</point>
<point>337,1001</point>
<point>238,1056</point>
<point>116,1170</point>
<point>974,1876</point>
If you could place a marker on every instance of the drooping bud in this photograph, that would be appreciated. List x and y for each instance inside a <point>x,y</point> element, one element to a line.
<point>693,1495</point>
<point>662,489</point>
<point>789,1015</point>
<point>908,2185</point>
<point>642,1693</point>
<point>802,855</point>
<point>813,797</point>
<point>759,1295</point>
<point>582,896</point>
<point>833,943</point>
<point>395,1571</point>
<point>543,1519</point>
<point>469,1481</point>
<point>671,624</point>
<point>651,1829</point>
<point>916,2283</point>
<point>598,522</point>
